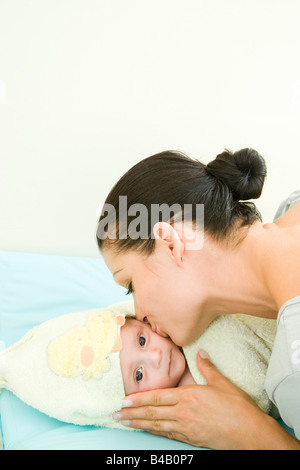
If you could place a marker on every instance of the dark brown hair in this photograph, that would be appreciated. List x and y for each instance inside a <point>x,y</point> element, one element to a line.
<point>172,177</point>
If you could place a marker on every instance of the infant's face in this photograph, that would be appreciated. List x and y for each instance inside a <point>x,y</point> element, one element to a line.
<point>148,361</point>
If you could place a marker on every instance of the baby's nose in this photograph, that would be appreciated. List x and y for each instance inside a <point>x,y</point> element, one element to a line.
<point>156,355</point>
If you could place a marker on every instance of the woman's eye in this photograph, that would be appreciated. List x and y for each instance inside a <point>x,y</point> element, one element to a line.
<point>130,289</point>
<point>139,375</point>
<point>142,340</point>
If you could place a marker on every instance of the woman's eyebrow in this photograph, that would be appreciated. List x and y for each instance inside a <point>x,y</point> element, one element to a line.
<point>116,272</point>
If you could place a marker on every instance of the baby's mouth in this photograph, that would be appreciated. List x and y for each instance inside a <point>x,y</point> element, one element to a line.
<point>170,362</point>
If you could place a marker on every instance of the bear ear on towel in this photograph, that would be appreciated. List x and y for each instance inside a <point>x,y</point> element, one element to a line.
<point>69,367</point>
<point>85,349</point>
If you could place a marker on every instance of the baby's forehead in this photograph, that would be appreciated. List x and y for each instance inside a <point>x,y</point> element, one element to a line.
<point>133,322</point>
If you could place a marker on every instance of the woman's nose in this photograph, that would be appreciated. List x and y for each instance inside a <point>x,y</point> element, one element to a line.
<point>137,311</point>
<point>139,314</point>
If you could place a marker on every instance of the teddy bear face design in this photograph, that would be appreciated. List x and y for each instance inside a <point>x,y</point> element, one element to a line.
<point>85,350</point>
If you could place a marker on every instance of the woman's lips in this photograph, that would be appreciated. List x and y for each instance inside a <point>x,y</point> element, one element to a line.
<point>160,333</point>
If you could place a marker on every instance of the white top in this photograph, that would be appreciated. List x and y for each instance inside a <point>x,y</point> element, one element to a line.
<point>283,376</point>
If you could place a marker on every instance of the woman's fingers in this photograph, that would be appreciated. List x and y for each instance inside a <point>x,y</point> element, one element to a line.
<point>148,414</point>
<point>177,419</point>
<point>152,410</point>
<point>151,425</point>
<point>167,396</point>
<point>166,421</point>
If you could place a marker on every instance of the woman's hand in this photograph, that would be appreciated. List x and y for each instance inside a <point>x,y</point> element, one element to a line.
<point>218,415</point>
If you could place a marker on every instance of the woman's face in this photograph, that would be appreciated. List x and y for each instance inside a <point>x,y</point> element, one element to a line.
<point>148,361</point>
<point>165,295</point>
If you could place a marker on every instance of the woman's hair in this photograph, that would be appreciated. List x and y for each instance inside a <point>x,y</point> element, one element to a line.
<point>172,177</point>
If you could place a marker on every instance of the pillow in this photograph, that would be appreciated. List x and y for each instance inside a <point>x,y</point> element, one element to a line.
<point>35,288</point>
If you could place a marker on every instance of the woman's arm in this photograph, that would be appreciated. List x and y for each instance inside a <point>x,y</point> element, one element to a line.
<point>217,415</point>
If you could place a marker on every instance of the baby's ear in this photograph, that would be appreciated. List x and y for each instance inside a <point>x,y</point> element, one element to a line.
<point>120,321</point>
<point>118,345</point>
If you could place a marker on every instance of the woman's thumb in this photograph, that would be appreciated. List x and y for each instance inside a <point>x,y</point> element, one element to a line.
<point>207,368</point>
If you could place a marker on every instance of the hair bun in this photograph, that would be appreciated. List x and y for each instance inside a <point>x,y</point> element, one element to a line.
<point>243,172</point>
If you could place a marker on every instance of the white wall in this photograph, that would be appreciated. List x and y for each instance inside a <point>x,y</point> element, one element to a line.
<point>90,87</point>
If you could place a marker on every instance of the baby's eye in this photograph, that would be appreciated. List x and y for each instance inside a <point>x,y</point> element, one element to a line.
<point>142,340</point>
<point>139,375</point>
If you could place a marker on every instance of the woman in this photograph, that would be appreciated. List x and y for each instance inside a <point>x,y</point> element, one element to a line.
<point>243,266</point>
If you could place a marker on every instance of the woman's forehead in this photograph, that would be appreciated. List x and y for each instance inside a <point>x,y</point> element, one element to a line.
<point>117,261</point>
<point>113,260</point>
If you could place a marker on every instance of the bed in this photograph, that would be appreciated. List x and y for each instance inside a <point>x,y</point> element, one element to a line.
<point>35,288</point>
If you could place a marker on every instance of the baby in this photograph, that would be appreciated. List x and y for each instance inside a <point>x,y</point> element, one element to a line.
<point>149,361</point>
<point>78,367</point>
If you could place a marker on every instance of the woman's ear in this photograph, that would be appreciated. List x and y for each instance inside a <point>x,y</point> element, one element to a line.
<point>167,235</point>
